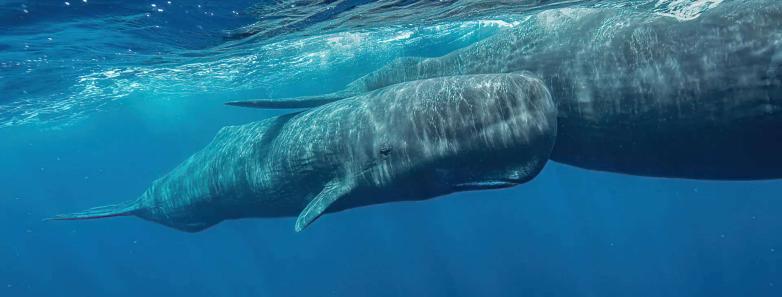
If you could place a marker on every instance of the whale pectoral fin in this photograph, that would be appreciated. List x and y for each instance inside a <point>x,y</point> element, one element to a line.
<point>330,193</point>
<point>294,102</point>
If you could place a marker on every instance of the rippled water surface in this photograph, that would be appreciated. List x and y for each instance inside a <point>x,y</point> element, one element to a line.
<point>60,62</point>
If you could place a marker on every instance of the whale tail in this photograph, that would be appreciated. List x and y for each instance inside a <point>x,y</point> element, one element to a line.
<point>107,211</point>
<point>294,102</point>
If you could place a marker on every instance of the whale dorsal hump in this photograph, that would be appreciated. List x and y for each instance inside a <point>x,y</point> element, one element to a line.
<point>330,193</point>
<point>293,102</point>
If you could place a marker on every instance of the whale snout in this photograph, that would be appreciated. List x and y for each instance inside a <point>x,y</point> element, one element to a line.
<point>503,132</point>
<point>523,109</point>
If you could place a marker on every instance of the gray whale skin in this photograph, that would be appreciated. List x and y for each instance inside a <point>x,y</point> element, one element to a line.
<point>637,93</point>
<point>411,141</point>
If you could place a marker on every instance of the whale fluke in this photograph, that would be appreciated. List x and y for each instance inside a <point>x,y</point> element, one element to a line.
<point>293,102</point>
<point>107,211</point>
<point>353,89</point>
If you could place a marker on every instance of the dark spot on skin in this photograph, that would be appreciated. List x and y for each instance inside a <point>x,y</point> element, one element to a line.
<point>385,150</point>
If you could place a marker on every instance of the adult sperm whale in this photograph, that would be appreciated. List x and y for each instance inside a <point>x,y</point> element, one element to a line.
<point>411,141</point>
<point>637,93</point>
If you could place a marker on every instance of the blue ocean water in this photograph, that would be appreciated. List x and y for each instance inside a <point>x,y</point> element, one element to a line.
<point>99,98</point>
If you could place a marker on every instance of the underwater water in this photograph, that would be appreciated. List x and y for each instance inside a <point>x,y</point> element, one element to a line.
<point>100,98</point>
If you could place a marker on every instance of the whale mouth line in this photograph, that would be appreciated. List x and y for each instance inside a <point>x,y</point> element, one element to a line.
<point>490,184</point>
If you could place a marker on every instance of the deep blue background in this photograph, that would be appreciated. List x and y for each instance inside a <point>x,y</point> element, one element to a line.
<point>569,232</point>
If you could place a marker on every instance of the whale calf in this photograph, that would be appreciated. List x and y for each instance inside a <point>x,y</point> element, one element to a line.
<point>410,141</point>
<point>637,93</point>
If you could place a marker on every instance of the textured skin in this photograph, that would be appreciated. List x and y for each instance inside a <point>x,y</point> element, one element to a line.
<point>642,93</point>
<point>410,141</point>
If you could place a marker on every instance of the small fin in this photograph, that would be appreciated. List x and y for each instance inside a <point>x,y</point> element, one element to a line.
<point>114,210</point>
<point>330,193</point>
<point>293,102</point>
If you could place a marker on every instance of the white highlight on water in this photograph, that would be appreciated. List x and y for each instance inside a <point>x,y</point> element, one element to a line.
<point>685,10</point>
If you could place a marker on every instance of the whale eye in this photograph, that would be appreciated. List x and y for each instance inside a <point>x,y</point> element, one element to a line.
<point>385,150</point>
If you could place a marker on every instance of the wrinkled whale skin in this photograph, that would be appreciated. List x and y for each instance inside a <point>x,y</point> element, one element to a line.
<point>641,93</point>
<point>410,141</point>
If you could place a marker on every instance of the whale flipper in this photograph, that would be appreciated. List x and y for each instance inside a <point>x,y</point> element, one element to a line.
<point>331,192</point>
<point>293,102</point>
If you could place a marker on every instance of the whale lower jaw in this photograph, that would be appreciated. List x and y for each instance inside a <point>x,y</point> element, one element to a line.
<point>486,185</point>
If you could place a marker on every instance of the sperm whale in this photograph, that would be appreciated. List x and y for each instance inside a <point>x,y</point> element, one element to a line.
<point>411,141</point>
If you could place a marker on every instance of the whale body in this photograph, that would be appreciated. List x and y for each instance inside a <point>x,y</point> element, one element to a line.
<point>637,93</point>
<point>411,141</point>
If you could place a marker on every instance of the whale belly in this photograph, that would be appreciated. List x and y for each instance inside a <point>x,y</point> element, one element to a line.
<point>737,142</point>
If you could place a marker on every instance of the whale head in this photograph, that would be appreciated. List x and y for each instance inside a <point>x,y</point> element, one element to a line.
<point>461,133</point>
